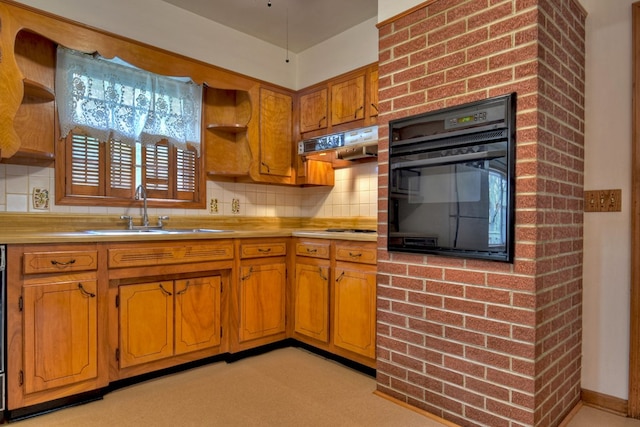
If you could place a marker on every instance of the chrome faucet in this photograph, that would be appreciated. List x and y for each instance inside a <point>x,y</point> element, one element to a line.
<point>142,192</point>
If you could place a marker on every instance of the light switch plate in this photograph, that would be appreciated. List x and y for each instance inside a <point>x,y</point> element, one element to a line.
<point>603,201</point>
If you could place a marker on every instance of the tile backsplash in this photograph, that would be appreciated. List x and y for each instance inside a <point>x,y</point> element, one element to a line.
<point>355,194</point>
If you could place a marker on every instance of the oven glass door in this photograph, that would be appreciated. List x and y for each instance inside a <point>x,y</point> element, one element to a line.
<point>452,200</point>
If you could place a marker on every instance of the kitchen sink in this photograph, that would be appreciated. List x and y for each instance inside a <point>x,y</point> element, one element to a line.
<point>193,230</point>
<point>127,232</point>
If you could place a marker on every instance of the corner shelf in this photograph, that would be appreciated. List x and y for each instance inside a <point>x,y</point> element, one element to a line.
<point>230,128</point>
<point>38,90</point>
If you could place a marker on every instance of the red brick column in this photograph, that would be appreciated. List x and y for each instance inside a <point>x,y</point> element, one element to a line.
<point>478,342</point>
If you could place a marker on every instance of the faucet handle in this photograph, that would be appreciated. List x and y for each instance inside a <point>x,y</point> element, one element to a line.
<point>162,218</point>
<point>129,219</point>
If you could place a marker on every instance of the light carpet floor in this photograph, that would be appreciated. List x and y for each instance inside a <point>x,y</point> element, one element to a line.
<point>285,387</point>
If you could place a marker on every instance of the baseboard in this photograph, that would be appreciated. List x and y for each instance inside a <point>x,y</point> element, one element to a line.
<point>417,410</point>
<point>612,404</point>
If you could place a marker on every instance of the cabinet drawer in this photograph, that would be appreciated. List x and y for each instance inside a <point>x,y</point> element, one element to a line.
<point>258,250</point>
<point>137,256</point>
<point>313,249</point>
<point>60,261</point>
<point>365,254</point>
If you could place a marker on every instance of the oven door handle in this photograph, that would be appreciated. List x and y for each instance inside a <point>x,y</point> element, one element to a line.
<point>458,158</point>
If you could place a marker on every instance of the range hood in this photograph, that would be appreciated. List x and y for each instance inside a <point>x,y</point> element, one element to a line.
<point>348,145</point>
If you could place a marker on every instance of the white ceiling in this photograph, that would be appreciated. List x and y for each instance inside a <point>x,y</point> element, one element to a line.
<point>295,25</point>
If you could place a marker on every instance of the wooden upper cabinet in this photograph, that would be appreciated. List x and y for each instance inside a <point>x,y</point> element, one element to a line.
<point>35,56</point>
<point>227,113</point>
<point>373,90</point>
<point>276,137</point>
<point>347,100</point>
<point>313,111</point>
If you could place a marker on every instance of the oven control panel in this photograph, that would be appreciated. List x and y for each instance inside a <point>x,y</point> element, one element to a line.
<point>472,118</point>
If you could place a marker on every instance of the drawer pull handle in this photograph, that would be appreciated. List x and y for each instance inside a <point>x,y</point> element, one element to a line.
<point>248,274</point>
<point>340,277</point>
<point>355,255</point>
<point>322,276</point>
<point>311,251</point>
<point>164,291</point>
<point>184,290</point>
<point>63,264</point>
<point>264,251</point>
<point>85,292</point>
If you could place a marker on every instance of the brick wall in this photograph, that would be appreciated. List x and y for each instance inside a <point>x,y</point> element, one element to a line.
<point>477,342</point>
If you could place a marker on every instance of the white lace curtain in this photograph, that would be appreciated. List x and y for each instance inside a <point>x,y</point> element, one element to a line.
<point>110,100</point>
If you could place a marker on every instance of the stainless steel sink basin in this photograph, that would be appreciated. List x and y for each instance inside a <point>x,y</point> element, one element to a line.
<point>193,230</point>
<point>126,232</point>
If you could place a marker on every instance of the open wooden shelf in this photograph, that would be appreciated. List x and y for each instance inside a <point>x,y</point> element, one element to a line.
<point>230,128</point>
<point>38,90</point>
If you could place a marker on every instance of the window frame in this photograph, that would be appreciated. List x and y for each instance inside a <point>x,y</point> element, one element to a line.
<point>122,198</point>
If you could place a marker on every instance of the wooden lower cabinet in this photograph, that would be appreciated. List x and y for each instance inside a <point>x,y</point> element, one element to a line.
<point>60,334</point>
<point>198,314</point>
<point>311,301</point>
<point>354,313</point>
<point>258,308</point>
<point>56,324</point>
<point>334,297</point>
<point>262,300</point>
<point>166,318</point>
<point>146,323</point>
<point>79,316</point>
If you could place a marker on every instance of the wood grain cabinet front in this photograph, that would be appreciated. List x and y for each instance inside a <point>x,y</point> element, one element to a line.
<point>354,298</point>
<point>334,297</point>
<point>56,323</point>
<point>348,100</point>
<point>354,314</point>
<point>162,319</point>
<point>275,137</point>
<point>311,289</point>
<point>258,311</point>
<point>313,110</point>
<point>60,334</point>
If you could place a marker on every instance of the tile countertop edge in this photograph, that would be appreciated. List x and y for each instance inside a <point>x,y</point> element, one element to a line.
<point>83,237</point>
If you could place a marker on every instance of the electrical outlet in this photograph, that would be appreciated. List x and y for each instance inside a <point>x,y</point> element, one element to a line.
<point>603,201</point>
<point>213,206</point>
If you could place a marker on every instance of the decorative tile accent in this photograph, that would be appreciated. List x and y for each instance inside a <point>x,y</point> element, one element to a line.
<point>235,206</point>
<point>41,199</point>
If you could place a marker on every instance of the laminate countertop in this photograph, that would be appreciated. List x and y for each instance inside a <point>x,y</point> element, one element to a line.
<point>26,237</point>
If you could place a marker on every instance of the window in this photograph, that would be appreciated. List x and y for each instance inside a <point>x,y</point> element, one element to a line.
<point>122,127</point>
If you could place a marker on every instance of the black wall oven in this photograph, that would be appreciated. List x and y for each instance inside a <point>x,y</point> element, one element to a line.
<point>451,181</point>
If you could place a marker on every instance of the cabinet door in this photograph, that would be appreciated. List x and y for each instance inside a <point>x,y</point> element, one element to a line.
<point>347,101</point>
<point>311,290</point>
<point>146,322</point>
<point>276,142</point>
<point>197,320</point>
<point>313,111</point>
<point>354,317</point>
<point>373,87</point>
<point>60,334</point>
<point>262,300</point>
